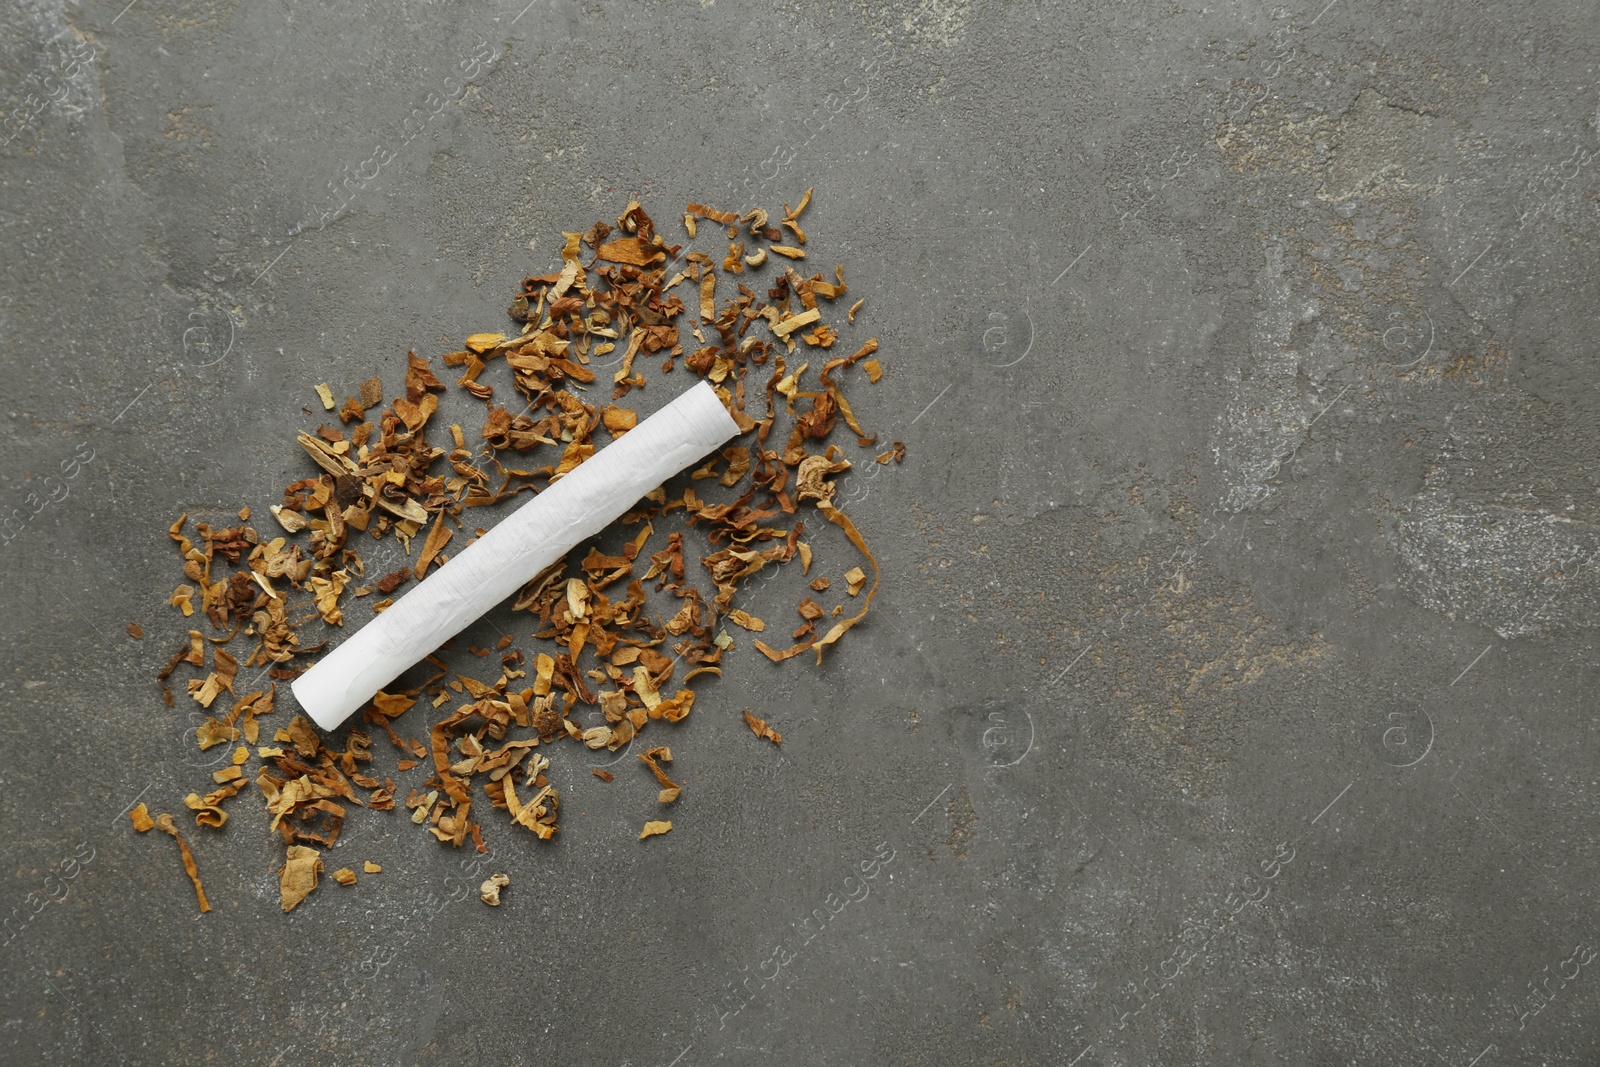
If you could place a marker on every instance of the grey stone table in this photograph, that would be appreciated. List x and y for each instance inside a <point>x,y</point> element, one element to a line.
<point>1229,699</point>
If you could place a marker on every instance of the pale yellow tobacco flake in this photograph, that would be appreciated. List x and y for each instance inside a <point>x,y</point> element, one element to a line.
<point>484,342</point>
<point>854,579</point>
<point>298,875</point>
<point>489,891</point>
<point>743,618</point>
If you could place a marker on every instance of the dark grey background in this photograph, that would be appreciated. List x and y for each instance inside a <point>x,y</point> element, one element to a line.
<point>1244,359</point>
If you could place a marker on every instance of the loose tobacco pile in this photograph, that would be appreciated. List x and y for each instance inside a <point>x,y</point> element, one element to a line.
<point>612,640</point>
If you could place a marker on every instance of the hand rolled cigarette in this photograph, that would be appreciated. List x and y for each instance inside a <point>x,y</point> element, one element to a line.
<point>575,507</point>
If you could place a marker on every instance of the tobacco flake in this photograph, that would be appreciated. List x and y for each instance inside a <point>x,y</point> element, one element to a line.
<point>760,728</point>
<point>787,326</point>
<point>438,537</point>
<point>298,875</point>
<point>489,891</point>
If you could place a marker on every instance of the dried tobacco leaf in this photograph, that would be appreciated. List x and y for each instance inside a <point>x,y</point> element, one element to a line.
<point>654,827</point>
<point>854,579</point>
<point>141,818</point>
<point>789,324</point>
<point>344,876</point>
<point>393,705</point>
<point>632,250</point>
<point>760,728</point>
<point>489,892</point>
<point>164,823</point>
<point>206,813</point>
<point>726,218</point>
<point>791,214</point>
<point>740,617</point>
<point>670,790</point>
<point>788,653</point>
<point>839,629</point>
<point>327,591</point>
<point>298,875</point>
<point>438,537</point>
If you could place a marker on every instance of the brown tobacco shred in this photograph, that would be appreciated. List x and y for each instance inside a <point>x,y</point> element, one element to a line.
<point>625,632</point>
<point>839,519</point>
<point>390,582</point>
<point>135,631</point>
<point>164,823</point>
<point>723,217</point>
<point>760,728</point>
<point>670,790</point>
<point>788,653</point>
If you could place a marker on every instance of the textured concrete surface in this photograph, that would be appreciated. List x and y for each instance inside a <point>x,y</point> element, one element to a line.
<point>1230,696</point>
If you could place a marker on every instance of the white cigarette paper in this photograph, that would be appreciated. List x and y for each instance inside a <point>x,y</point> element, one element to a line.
<point>575,507</point>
